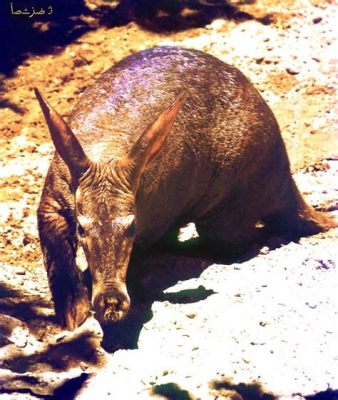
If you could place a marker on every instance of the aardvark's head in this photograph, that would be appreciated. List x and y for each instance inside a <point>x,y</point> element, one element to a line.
<point>104,195</point>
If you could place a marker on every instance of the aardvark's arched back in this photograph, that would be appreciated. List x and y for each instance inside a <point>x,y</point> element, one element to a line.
<point>165,137</point>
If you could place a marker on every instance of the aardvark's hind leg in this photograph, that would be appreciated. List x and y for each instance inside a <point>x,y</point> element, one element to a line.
<point>228,234</point>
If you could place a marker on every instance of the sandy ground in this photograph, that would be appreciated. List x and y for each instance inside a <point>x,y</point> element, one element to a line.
<point>263,326</point>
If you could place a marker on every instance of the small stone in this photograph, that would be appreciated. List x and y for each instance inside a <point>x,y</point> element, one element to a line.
<point>312,306</point>
<point>292,71</point>
<point>317,20</point>
<point>28,239</point>
<point>20,271</point>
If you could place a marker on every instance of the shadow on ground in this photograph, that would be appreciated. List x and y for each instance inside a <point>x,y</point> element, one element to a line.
<point>21,36</point>
<point>328,394</point>
<point>241,391</point>
<point>172,391</point>
<point>29,349</point>
<point>30,309</point>
<point>255,391</point>
<point>175,15</point>
<point>57,357</point>
<point>66,391</point>
<point>150,274</point>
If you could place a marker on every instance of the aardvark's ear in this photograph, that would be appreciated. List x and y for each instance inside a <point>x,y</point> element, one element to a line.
<point>64,140</point>
<point>149,144</point>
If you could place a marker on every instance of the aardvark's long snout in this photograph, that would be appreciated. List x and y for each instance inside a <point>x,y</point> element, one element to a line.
<point>111,305</point>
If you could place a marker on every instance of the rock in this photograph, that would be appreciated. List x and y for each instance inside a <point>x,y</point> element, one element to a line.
<point>292,70</point>
<point>317,20</point>
<point>20,271</point>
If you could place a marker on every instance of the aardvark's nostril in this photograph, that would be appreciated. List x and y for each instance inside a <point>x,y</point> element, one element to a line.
<point>115,309</point>
<point>111,307</point>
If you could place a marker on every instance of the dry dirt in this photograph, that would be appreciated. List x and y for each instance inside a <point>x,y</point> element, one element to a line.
<point>264,326</point>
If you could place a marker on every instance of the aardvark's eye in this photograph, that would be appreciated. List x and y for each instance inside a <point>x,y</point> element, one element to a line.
<point>81,230</point>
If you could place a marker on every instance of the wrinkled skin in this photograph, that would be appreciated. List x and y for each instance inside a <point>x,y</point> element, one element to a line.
<point>106,230</point>
<point>139,159</point>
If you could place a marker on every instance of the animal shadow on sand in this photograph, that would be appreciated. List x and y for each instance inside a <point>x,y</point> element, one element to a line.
<point>151,273</point>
